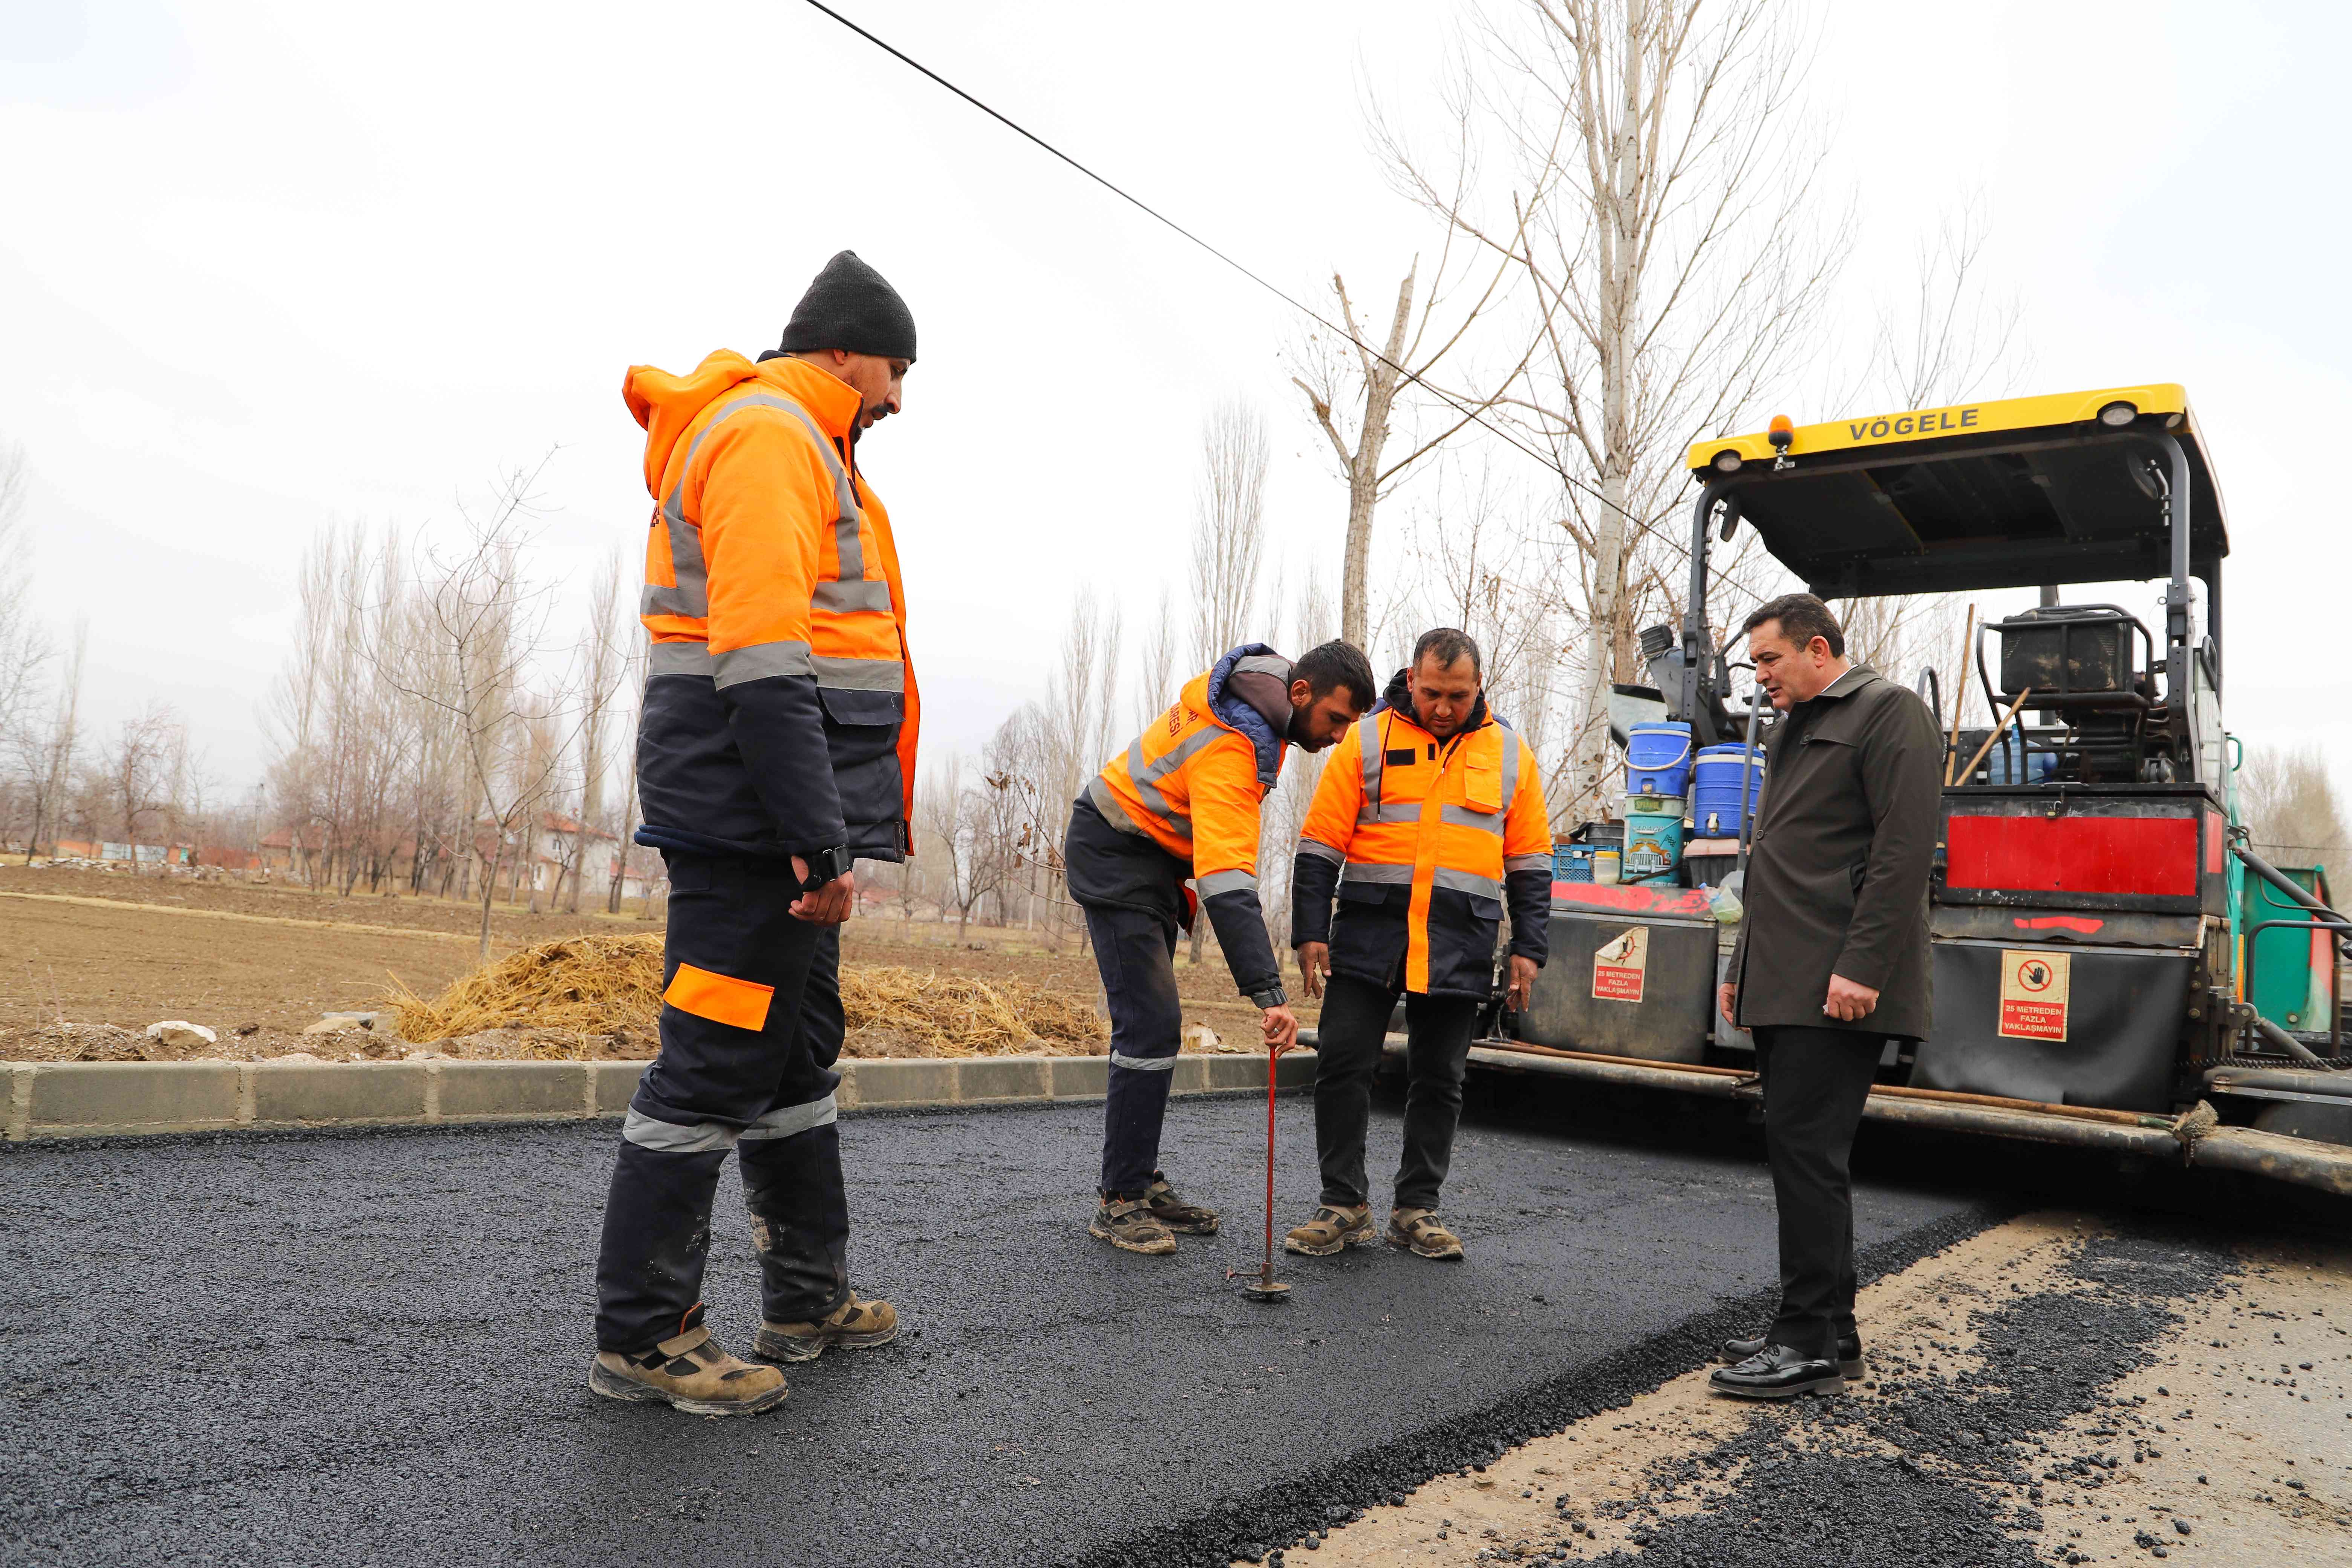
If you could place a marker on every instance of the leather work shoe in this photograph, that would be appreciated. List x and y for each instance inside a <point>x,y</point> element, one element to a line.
<point>854,1325</point>
<point>690,1371</point>
<point>1332,1230</point>
<point>1185,1218</point>
<point>1776,1371</point>
<point>1849,1348</point>
<point>1129,1225</point>
<point>1419,1232</point>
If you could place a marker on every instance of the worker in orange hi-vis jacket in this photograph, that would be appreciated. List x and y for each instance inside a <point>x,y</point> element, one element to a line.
<point>1182,802</point>
<point>777,746</point>
<point>1429,819</point>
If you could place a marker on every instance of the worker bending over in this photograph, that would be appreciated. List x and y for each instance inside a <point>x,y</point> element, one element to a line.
<point>1182,802</point>
<point>777,746</point>
<point>1430,815</point>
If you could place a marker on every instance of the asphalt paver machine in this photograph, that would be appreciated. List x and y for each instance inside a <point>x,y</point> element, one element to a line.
<point>2105,938</point>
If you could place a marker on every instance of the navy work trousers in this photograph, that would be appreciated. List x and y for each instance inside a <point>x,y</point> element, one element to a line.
<point>750,1026</point>
<point>1136,954</point>
<point>1816,1082</point>
<point>1348,1041</point>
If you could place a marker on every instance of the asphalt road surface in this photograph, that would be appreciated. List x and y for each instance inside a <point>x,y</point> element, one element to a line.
<point>373,1349</point>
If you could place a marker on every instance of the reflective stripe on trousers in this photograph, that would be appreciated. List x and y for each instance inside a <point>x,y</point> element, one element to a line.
<point>702,1137</point>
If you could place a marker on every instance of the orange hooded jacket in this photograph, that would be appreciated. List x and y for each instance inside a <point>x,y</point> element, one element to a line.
<point>780,707</point>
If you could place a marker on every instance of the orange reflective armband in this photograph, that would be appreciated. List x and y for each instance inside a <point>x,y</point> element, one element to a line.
<point>742,1003</point>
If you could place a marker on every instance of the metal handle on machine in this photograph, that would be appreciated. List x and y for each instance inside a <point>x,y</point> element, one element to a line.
<point>2286,884</point>
<point>2270,1030</point>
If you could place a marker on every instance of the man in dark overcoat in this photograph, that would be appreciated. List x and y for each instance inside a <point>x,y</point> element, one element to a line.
<point>1832,962</point>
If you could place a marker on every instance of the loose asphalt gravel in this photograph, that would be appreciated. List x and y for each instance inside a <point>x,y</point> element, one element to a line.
<point>1919,1478</point>
<point>372,1348</point>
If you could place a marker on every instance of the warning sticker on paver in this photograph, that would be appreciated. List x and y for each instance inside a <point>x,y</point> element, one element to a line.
<point>2034,987</point>
<point>1619,968</point>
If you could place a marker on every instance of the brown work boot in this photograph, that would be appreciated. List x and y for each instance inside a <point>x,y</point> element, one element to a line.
<point>1187,1218</point>
<point>1332,1230</point>
<point>1419,1232</point>
<point>1129,1224</point>
<point>690,1371</point>
<point>854,1325</point>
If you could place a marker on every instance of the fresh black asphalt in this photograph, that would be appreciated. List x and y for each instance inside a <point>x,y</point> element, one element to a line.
<point>372,1348</point>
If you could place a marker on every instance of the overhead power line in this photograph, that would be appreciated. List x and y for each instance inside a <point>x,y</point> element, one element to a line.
<point>1466,410</point>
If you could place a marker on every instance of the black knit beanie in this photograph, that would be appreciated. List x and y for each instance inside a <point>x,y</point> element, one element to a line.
<point>850,306</point>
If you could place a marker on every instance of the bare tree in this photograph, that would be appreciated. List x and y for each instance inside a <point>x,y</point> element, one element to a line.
<point>470,655</point>
<point>1228,530</point>
<point>602,653</point>
<point>2291,812</point>
<point>1354,387</point>
<point>1156,680</point>
<point>24,644</point>
<point>46,746</point>
<point>141,774</point>
<point>1662,214</point>
<point>1228,543</point>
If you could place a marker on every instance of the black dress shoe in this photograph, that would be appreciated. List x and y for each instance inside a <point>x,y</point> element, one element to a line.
<point>1849,1348</point>
<point>1776,1371</point>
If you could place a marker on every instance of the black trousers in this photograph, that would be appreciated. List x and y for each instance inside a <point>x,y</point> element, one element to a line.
<point>1815,1083</point>
<point>1135,952</point>
<point>1348,1039</point>
<point>748,1035</point>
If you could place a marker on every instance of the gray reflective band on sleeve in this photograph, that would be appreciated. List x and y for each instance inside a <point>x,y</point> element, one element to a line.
<point>1322,851</point>
<point>1462,816</point>
<point>1368,871</point>
<point>672,1138</point>
<point>1143,1064</point>
<point>1113,809</point>
<point>678,658</point>
<point>852,597</point>
<point>1526,863</point>
<point>1217,882</point>
<point>1466,883</point>
<point>860,674</point>
<point>759,661</point>
<point>658,600</point>
<point>791,1121</point>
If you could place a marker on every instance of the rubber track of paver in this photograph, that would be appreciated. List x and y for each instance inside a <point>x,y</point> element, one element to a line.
<point>360,1349</point>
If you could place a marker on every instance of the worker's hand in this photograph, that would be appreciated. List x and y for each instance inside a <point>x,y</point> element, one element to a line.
<point>1523,981</point>
<point>1727,1001</point>
<point>1314,963</point>
<point>829,905</point>
<point>1281,1026</point>
<point>1849,1003</point>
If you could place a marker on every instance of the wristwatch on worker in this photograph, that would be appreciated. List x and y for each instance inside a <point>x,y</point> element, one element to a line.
<point>827,865</point>
<point>1271,997</point>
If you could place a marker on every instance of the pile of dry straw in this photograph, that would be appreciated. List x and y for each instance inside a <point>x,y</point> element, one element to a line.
<point>587,989</point>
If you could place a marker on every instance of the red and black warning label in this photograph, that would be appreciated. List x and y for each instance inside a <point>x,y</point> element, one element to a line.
<point>2034,987</point>
<point>1622,965</point>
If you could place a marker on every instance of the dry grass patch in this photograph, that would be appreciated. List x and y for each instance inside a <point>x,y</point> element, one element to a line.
<point>600,986</point>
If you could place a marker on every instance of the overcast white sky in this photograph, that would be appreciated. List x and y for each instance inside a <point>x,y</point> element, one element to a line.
<point>265,267</point>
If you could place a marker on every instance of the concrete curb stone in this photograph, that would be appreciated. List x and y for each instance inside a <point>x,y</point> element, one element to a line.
<point>83,1099</point>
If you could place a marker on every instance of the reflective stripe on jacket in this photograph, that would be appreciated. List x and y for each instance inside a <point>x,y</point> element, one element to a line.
<point>780,709</point>
<point>1423,838</point>
<point>1192,784</point>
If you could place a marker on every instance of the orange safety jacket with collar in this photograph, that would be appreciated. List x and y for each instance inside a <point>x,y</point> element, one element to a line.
<point>1190,786</point>
<point>1424,841</point>
<point>780,711</point>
